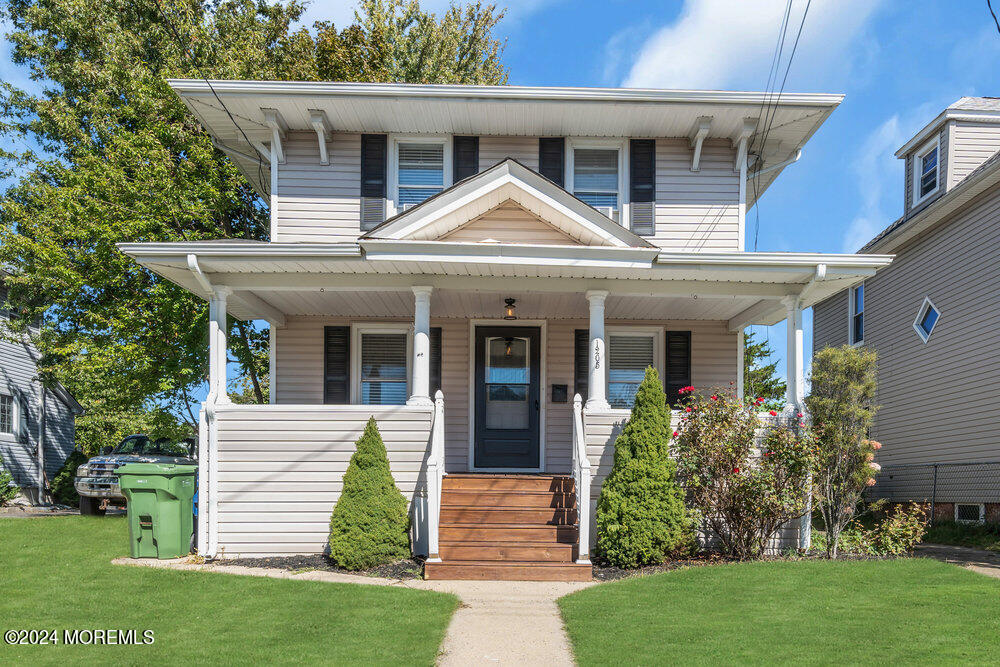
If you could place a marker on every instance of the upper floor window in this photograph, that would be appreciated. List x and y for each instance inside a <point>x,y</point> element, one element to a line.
<point>857,319</point>
<point>927,317</point>
<point>926,171</point>
<point>596,174</point>
<point>6,413</point>
<point>421,170</point>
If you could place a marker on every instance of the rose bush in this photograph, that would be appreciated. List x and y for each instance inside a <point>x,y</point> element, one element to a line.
<point>744,477</point>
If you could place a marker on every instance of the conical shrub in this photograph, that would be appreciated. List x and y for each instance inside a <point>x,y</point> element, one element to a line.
<point>641,518</point>
<point>370,525</point>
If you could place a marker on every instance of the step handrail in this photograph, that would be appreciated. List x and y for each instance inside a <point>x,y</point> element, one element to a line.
<point>435,479</point>
<point>582,480</point>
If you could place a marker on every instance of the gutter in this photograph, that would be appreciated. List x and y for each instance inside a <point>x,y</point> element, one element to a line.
<point>780,165</point>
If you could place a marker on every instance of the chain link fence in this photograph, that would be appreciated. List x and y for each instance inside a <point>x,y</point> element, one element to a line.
<point>966,492</point>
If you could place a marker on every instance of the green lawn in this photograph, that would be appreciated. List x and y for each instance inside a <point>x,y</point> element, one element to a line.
<point>911,611</point>
<point>55,574</point>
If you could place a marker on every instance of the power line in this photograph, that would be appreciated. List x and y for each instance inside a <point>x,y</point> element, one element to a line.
<point>190,54</point>
<point>993,14</point>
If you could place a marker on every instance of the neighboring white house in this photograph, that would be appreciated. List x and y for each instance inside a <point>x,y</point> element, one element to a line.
<point>932,317</point>
<point>508,247</point>
<point>31,414</point>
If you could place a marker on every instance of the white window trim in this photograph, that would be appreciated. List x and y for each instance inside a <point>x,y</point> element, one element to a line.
<point>392,173</point>
<point>927,304</point>
<point>982,514</point>
<point>638,331</point>
<point>917,155</point>
<point>851,313</point>
<point>621,145</point>
<point>15,417</point>
<point>358,328</point>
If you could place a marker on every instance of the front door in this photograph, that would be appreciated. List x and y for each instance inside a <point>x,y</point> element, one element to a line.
<point>507,397</point>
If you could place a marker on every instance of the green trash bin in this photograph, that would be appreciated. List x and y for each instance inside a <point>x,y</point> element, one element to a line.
<point>159,507</point>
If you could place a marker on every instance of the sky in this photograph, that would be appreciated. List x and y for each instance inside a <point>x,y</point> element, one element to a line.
<point>898,63</point>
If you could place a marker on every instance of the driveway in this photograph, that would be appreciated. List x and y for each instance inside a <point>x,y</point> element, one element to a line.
<point>978,560</point>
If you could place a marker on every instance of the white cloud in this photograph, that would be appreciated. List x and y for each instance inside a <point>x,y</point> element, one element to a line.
<point>730,44</point>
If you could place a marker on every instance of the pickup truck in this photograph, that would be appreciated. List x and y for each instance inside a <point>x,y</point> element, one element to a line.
<point>96,482</point>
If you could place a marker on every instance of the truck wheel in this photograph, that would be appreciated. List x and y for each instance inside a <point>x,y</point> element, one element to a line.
<point>90,506</point>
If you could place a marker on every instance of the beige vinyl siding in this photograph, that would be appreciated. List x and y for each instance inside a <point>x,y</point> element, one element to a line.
<point>510,223</point>
<point>281,471</point>
<point>300,369</point>
<point>971,145</point>
<point>830,325</point>
<point>316,202</point>
<point>943,171</point>
<point>956,370</point>
<point>696,210</point>
<point>496,149</point>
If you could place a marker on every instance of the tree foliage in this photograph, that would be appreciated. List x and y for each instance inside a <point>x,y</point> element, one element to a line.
<point>745,483</point>
<point>118,158</point>
<point>759,377</point>
<point>641,518</point>
<point>370,524</point>
<point>842,406</point>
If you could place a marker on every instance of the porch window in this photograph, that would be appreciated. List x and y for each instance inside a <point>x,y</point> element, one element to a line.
<point>420,172</point>
<point>383,368</point>
<point>596,177</point>
<point>628,357</point>
<point>857,322</point>
<point>6,413</point>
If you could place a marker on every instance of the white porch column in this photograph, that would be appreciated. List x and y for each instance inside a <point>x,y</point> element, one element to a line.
<point>217,339</point>
<point>272,362</point>
<point>597,391</point>
<point>420,385</point>
<point>795,392</point>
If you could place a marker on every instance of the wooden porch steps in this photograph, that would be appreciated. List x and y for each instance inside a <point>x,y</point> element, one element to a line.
<point>509,527</point>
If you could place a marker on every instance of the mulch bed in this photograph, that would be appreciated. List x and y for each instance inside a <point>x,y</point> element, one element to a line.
<point>404,569</point>
<point>610,573</point>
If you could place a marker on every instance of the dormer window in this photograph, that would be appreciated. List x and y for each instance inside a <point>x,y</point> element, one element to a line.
<point>420,169</point>
<point>926,171</point>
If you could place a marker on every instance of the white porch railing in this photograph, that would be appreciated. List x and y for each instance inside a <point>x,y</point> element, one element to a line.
<point>582,479</point>
<point>435,476</point>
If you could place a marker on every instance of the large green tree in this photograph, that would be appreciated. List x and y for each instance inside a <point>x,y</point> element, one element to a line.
<point>117,157</point>
<point>760,379</point>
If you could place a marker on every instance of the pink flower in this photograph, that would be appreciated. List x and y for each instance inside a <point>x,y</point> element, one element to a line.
<point>876,445</point>
<point>870,482</point>
<point>874,466</point>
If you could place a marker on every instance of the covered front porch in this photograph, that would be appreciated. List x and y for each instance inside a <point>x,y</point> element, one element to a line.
<point>416,334</point>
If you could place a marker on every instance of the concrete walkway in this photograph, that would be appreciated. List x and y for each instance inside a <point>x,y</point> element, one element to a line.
<point>977,560</point>
<point>498,623</point>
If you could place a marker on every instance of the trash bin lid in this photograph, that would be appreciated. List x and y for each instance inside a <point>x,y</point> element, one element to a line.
<point>162,469</point>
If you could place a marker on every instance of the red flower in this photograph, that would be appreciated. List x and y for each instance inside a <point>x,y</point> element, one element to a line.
<point>767,453</point>
<point>685,390</point>
<point>760,399</point>
<point>799,415</point>
<point>675,434</point>
<point>687,409</point>
<point>772,413</point>
<point>714,397</point>
<point>736,470</point>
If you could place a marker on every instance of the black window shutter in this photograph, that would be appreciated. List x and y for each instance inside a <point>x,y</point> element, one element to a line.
<point>373,165</point>
<point>678,369</point>
<point>465,157</point>
<point>552,159</point>
<point>435,360</point>
<point>337,365</point>
<point>581,358</point>
<point>642,170</point>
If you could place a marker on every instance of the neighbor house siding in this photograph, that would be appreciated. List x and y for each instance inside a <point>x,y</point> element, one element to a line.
<point>955,371</point>
<point>316,202</point>
<point>696,210</point>
<point>281,471</point>
<point>300,363</point>
<point>971,145</point>
<point>18,378</point>
<point>830,322</point>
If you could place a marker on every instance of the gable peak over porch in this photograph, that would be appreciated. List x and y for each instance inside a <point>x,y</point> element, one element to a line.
<point>506,186</point>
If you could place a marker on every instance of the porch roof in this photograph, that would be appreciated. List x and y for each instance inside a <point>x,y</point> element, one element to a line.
<point>272,280</point>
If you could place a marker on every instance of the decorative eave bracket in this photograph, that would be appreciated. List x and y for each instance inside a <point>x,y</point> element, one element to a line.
<point>697,138</point>
<point>324,131</point>
<point>742,140</point>
<point>273,119</point>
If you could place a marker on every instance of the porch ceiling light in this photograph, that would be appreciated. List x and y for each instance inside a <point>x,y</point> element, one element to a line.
<point>508,311</point>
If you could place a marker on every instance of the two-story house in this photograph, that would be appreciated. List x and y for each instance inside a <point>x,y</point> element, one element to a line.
<point>932,317</point>
<point>37,427</point>
<point>488,271</point>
